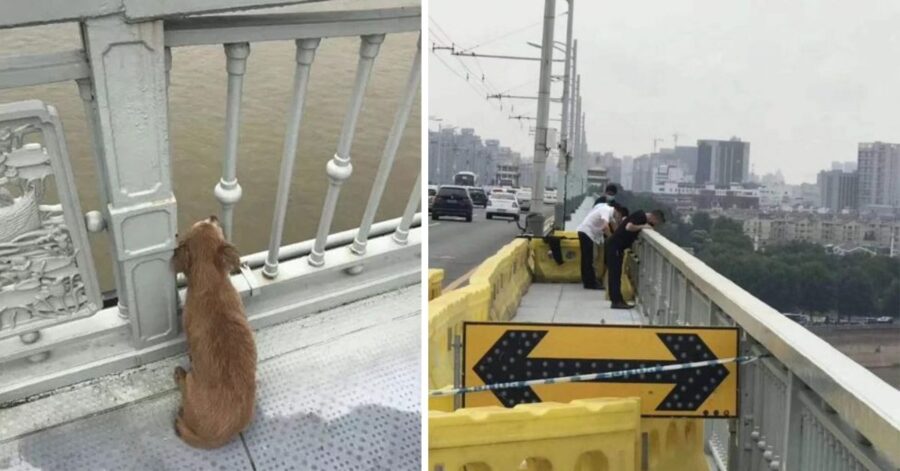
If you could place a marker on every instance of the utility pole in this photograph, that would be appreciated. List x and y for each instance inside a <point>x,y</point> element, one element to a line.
<point>572,92</point>
<point>578,158</point>
<point>562,164</point>
<point>440,137</point>
<point>535,220</point>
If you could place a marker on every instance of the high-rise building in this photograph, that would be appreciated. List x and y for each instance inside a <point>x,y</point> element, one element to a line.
<point>642,174</point>
<point>838,190</point>
<point>687,159</point>
<point>723,162</point>
<point>879,175</point>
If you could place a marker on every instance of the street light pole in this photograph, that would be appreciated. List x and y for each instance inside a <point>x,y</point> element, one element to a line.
<point>535,220</point>
<point>562,164</point>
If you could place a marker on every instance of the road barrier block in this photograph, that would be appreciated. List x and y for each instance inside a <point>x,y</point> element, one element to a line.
<point>493,293</point>
<point>435,279</point>
<point>546,270</point>
<point>674,444</point>
<point>587,435</point>
<point>508,274</point>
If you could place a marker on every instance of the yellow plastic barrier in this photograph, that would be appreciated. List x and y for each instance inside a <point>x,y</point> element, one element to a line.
<point>493,293</point>
<point>545,268</point>
<point>674,444</point>
<point>508,275</point>
<point>435,279</point>
<point>584,435</point>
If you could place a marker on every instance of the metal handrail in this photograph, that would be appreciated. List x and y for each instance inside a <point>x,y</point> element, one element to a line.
<point>863,400</point>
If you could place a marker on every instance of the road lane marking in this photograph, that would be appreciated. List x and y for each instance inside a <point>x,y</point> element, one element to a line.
<point>459,281</point>
<point>434,224</point>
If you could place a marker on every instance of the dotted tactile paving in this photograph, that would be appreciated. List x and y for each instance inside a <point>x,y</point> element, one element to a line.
<point>346,396</point>
<point>352,404</point>
<point>139,437</point>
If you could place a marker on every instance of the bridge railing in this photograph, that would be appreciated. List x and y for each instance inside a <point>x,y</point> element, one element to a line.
<point>122,73</point>
<point>805,407</point>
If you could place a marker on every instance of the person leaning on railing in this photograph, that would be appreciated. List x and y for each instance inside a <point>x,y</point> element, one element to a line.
<point>592,231</point>
<point>622,238</point>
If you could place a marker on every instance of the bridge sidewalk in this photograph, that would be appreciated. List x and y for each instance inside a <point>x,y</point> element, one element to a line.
<point>336,390</point>
<point>570,303</point>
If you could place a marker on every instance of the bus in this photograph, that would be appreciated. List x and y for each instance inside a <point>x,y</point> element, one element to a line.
<point>464,179</point>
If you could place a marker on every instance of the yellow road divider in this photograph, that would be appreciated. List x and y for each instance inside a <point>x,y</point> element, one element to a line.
<point>435,278</point>
<point>584,435</point>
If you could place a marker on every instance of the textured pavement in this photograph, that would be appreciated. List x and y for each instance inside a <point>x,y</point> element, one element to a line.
<point>337,390</point>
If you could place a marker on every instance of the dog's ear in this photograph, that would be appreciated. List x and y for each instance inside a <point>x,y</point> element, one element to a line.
<point>228,258</point>
<point>181,261</point>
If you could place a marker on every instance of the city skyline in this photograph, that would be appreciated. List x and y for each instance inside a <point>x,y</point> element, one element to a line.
<point>801,87</point>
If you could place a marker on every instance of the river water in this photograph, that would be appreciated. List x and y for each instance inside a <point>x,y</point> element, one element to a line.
<point>197,117</point>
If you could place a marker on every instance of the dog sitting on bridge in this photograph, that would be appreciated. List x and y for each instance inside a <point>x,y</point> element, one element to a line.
<point>218,394</point>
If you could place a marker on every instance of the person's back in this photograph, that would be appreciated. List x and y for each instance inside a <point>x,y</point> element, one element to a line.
<point>596,219</point>
<point>622,237</point>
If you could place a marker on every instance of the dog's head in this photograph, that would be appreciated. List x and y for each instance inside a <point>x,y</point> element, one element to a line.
<point>205,244</point>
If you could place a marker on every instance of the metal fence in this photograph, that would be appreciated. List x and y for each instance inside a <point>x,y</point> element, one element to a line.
<point>806,407</point>
<point>49,299</point>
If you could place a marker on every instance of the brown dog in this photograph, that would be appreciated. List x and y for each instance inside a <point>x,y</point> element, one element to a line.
<point>218,395</point>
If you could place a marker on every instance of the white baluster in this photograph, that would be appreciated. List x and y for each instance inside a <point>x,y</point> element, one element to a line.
<point>228,191</point>
<point>402,233</point>
<point>387,158</point>
<point>306,52</point>
<point>339,167</point>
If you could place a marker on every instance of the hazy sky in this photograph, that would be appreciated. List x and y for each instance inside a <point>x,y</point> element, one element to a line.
<point>804,81</point>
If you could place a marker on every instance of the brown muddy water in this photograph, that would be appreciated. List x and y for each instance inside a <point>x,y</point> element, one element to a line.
<point>197,120</point>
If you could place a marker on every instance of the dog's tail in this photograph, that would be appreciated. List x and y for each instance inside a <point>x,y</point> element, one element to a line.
<point>191,438</point>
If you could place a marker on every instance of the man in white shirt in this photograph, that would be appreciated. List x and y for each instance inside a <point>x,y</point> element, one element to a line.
<point>591,231</point>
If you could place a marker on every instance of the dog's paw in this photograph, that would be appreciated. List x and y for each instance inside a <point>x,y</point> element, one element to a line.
<point>175,426</point>
<point>180,374</point>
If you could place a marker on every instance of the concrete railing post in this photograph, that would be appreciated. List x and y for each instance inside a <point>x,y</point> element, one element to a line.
<point>390,152</point>
<point>339,167</point>
<point>401,235</point>
<point>305,54</point>
<point>228,191</point>
<point>128,68</point>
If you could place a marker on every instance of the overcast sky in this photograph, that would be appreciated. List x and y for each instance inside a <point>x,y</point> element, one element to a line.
<point>803,81</point>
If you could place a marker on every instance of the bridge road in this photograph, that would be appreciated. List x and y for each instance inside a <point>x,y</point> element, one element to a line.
<point>458,247</point>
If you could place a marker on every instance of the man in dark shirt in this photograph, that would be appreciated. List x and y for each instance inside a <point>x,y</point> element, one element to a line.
<point>622,238</point>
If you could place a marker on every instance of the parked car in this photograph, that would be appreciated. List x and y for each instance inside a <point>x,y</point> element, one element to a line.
<point>523,197</point>
<point>452,200</point>
<point>432,190</point>
<point>479,198</point>
<point>502,205</point>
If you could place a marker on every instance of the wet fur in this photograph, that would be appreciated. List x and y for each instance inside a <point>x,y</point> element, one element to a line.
<point>218,394</point>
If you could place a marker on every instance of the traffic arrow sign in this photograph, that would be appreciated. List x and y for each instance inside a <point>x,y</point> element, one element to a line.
<point>505,352</point>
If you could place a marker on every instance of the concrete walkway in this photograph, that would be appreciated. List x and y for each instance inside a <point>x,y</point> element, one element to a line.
<point>336,390</point>
<point>570,303</point>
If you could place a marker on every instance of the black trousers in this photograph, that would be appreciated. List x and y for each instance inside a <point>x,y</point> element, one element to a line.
<point>614,257</point>
<point>588,276</point>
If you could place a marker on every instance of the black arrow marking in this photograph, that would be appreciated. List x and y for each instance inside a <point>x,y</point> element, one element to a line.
<point>508,360</point>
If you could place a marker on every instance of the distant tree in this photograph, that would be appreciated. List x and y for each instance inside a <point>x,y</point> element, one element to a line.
<point>701,221</point>
<point>890,300</point>
<point>855,296</point>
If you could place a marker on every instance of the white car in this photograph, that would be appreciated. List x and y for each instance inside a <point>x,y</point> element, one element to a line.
<point>524,198</point>
<point>502,205</point>
<point>550,197</point>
